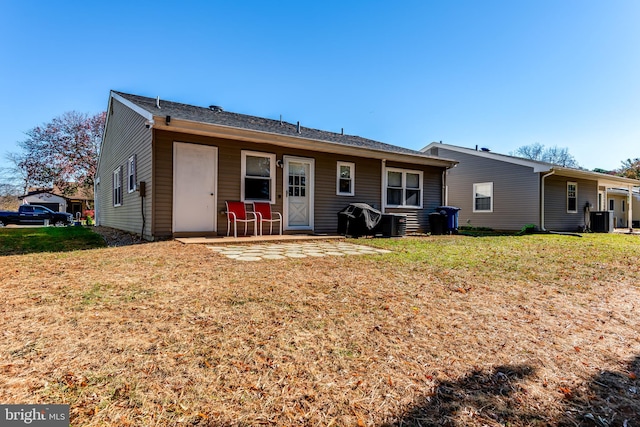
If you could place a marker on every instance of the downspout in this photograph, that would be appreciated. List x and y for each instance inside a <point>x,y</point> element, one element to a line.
<point>383,184</point>
<point>445,202</point>
<point>542,200</point>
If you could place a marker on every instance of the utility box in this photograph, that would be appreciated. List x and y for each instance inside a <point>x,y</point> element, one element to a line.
<point>602,221</point>
<point>392,225</point>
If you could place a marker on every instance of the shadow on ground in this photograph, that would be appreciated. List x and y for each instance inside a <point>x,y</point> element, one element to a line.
<point>498,397</point>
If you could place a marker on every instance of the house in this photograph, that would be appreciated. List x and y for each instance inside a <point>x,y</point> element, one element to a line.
<point>506,193</point>
<point>616,200</point>
<point>75,201</point>
<point>166,169</point>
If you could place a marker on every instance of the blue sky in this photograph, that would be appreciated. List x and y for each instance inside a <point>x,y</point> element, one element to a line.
<point>498,74</point>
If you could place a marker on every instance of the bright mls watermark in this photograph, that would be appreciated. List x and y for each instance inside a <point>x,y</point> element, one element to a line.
<point>34,415</point>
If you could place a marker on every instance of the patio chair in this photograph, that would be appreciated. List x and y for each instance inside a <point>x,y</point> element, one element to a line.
<point>237,212</point>
<point>265,214</point>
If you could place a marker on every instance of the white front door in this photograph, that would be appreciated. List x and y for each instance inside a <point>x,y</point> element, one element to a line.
<point>298,190</point>
<point>195,171</point>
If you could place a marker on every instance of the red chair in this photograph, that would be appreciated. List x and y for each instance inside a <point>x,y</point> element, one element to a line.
<point>263,210</point>
<point>237,212</point>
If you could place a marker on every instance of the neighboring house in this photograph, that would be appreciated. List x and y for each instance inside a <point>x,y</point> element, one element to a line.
<point>616,200</point>
<point>166,169</point>
<point>506,193</point>
<point>74,202</point>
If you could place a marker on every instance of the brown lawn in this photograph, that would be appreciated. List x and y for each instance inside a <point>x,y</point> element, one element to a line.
<point>456,331</point>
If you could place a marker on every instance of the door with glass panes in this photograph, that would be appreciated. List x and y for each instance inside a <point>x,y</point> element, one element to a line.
<point>298,191</point>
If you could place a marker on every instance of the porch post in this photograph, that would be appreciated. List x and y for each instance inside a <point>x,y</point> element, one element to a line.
<point>630,208</point>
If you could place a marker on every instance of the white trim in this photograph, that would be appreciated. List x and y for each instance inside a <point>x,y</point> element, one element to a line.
<point>576,196</point>
<point>116,180</point>
<point>144,113</point>
<point>352,178</point>
<point>404,187</point>
<point>131,171</point>
<point>473,195</point>
<point>311,191</point>
<point>272,173</point>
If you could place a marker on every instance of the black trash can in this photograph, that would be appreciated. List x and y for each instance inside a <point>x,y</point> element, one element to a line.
<point>451,218</point>
<point>436,223</point>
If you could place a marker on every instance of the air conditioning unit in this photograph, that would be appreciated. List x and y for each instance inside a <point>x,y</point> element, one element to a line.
<point>602,221</point>
<point>392,225</point>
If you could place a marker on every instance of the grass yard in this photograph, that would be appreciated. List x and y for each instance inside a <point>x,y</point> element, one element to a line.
<point>47,239</point>
<point>446,330</point>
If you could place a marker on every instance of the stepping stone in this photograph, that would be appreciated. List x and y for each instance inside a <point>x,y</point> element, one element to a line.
<point>334,253</point>
<point>248,258</point>
<point>295,255</point>
<point>315,254</point>
<point>273,256</point>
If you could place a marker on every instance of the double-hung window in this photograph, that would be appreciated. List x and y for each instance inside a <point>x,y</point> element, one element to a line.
<point>572,197</point>
<point>483,197</point>
<point>404,188</point>
<point>345,179</point>
<point>131,174</point>
<point>258,177</point>
<point>117,187</point>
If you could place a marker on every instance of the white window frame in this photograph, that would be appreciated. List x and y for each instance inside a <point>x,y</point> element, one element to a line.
<point>352,178</point>
<point>575,184</point>
<point>132,185</point>
<point>272,175</point>
<point>404,187</point>
<point>473,196</point>
<point>117,187</point>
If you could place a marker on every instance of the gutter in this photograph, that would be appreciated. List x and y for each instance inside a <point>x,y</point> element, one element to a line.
<point>542,200</point>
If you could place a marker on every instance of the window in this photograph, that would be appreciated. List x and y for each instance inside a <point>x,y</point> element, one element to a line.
<point>611,205</point>
<point>572,197</point>
<point>404,188</point>
<point>623,205</point>
<point>483,197</point>
<point>131,174</point>
<point>117,187</point>
<point>345,180</point>
<point>258,177</point>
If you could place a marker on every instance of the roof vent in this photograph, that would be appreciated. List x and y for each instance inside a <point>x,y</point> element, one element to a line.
<point>215,108</point>
<point>485,149</point>
<point>298,128</point>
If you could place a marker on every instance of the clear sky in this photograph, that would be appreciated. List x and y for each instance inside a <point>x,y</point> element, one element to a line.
<point>498,74</point>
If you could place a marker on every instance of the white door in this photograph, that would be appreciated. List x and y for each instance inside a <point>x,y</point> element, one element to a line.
<point>298,191</point>
<point>195,171</point>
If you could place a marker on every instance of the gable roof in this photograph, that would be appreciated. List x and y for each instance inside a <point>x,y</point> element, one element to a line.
<point>77,194</point>
<point>194,119</point>
<point>540,167</point>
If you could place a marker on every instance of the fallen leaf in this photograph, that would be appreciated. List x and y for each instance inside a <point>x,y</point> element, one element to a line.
<point>633,375</point>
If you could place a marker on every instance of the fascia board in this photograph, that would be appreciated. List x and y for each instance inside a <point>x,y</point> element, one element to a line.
<point>228,132</point>
<point>536,166</point>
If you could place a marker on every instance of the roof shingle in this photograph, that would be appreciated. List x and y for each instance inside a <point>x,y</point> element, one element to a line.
<point>217,116</point>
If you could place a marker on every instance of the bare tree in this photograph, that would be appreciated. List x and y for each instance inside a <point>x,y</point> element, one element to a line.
<point>554,155</point>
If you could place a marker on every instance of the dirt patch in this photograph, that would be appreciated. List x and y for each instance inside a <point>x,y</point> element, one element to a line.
<point>115,237</point>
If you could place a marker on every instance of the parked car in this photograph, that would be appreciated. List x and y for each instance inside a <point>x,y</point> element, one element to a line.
<point>35,215</point>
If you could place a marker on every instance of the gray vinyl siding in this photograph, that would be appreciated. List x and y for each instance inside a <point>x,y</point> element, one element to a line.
<point>368,173</point>
<point>418,219</point>
<point>555,203</point>
<point>516,190</point>
<point>126,136</point>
